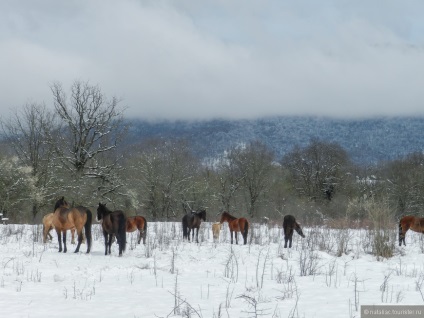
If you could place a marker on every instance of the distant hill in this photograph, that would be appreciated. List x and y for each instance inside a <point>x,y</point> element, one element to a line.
<point>367,141</point>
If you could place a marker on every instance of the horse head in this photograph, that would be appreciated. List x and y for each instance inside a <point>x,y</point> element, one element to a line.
<point>61,203</point>
<point>202,215</point>
<point>101,210</point>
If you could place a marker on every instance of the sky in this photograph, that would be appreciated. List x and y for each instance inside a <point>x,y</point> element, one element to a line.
<point>207,59</point>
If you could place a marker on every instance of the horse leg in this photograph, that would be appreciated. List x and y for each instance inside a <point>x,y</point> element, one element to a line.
<point>59,237</point>
<point>290,238</point>
<point>236,235</point>
<point>286,238</point>
<point>111,236</point>
<point>139,236</point>
<point>197,235</point>
<point>80,237</point>
<point>231,233</point>
<point>73,236</point>
<point>402,233</point>
<point>143,232</point>
<point>106,241</point>
<point>188,235</point>
<point>64,242</point>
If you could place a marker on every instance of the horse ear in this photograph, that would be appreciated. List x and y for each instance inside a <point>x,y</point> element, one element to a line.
<point>63,198</point>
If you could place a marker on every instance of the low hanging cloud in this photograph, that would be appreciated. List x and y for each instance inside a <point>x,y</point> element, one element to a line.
<point>198,60</point>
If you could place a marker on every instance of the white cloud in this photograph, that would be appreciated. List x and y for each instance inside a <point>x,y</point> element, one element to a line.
<point>235,59</point>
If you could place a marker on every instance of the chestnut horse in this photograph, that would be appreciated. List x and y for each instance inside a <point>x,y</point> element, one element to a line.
<point>192,221</point>
<point>66,218</point>
<point>414,223</point>
<point>139,223</point>
<point>236,225</point>
<point>290,224</point>
<point>48,226</point>
<point>113,224</point>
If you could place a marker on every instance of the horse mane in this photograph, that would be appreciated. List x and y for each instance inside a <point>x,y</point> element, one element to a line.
<point>202,214</point>
<point>103,208</point>
<point>60,203</point>
<point>229,215</point>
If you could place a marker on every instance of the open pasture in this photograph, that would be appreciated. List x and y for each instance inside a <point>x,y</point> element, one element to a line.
<point>329,273</point>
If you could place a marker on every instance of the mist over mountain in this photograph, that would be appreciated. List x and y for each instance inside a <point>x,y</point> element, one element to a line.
<point>367,141</point>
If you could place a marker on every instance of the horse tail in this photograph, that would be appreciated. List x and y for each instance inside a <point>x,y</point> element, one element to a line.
<point>246,230</point>
<point>87,229</point>
<point>185,227</point>
<point>401,237</point>
<point>144,230</point>
<point>122,232</point>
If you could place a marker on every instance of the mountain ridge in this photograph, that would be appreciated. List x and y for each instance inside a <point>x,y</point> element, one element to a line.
<point>367,141</point>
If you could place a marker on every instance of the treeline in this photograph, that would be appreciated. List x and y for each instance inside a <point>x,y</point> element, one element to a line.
<point>74,150</point>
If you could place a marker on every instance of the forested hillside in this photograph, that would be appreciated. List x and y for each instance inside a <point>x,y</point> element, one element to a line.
<point>367,141</point>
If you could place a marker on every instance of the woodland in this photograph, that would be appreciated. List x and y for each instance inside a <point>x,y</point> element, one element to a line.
<point>76,148</point>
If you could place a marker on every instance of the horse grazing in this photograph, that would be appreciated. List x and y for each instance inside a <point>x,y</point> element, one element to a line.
<point>414,223</point>
<point>290,224</point>
<point>236,225</point>
<point>139,223</point>
<point>113,224</point>
<point>67,218</point>
<point>192,221</point>
<point>48,226</point>
<point>216,228</point>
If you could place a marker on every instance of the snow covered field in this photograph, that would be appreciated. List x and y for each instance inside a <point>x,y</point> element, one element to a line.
<point>171,278</point>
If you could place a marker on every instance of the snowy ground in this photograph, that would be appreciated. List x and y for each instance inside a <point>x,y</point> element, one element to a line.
<point>171,278</point>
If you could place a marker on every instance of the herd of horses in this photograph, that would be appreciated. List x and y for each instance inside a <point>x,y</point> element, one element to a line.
<point>115,224</point>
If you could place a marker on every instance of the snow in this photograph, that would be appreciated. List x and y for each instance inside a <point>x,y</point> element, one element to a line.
<point>171,278</point>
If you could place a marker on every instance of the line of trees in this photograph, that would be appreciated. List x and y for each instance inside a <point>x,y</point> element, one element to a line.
<point>73,149</point>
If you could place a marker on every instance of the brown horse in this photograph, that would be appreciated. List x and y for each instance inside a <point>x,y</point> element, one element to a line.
<point>66,218</point>
<point>236,225</point>
<point>48,226</point>
<point>290,224</point>
<point>414,223</point>
<point>192,221</point>
<point>139,223</point>
<point>114,225</point>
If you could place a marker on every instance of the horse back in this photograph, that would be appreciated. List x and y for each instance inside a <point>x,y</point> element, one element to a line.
<point>110,222</point>
<point>135,223</point>
<point>238,225</point>
<point>48,220</point>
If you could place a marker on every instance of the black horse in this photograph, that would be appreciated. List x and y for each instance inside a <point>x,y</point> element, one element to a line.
<point>113,224</point>
<point>192,221</point>
<point>290,224</point>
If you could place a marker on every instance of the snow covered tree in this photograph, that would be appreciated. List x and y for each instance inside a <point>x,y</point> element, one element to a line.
<point>30,132</point>
<point>317,170</point>
<point>92,126</point>
<point>254,165</point>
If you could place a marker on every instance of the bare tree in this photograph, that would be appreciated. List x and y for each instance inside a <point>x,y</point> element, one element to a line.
<point>317,170</point>
<point>228,178</point>
<point>165,172</point>
<point>254,163</point>
<point>404,183</point>
<point>30,132</point>
<point>92,127</point>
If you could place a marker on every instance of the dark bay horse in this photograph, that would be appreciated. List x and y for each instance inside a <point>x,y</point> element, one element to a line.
<point>290,224</point>
<point>236,225</point>
<point>113,224</point>
<point>139,223</point>
<point>67,218</point>
<point>48,226</point>
<point>192,221</point>
<point>410,222</point>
